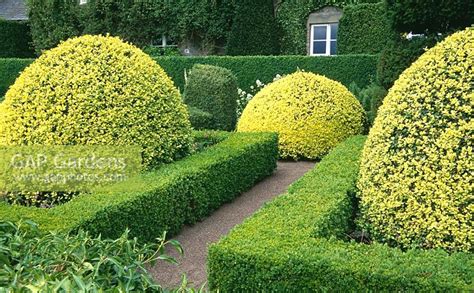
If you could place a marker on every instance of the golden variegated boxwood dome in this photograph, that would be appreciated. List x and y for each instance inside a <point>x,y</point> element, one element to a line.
<point>97,90</point>
<point>417,173</point>
<point>311,114</point>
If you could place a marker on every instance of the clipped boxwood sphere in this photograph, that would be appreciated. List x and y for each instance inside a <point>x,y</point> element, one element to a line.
<point>417,172</point>
<point>97,90</point>
<point>311,114</point>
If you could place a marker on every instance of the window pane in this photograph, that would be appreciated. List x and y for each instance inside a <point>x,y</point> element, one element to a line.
<point>333,47</point>
<point>319,47</point>
<point>319,33</point>
<point>334,28</point>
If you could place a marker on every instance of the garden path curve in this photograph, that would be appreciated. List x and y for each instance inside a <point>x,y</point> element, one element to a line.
<point>196,239</point>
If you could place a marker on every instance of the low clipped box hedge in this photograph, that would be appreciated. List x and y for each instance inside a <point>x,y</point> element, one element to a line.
<point>165,199</point>
<point>346,69</point>
<point>295,244</point>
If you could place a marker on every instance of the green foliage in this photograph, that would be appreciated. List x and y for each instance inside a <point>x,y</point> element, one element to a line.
<point>293,244</point>
<point>139,22</point>
<point>73,262</point>
<point>205,22</point>
<point>15,39</point>
<point>204,139</point>
<point>292,16</point>
<point>9,70</point>
<point>430,16</point>
<point>52,21</point>
<point>346,69</point>
<point>113,93</point>
<point>165,199</point>
<point>254,29</point>
<point>213,89</point>
<point>399,55</point>
<point>201,119</point>
<point>364,28</point>
<point>370,98</point>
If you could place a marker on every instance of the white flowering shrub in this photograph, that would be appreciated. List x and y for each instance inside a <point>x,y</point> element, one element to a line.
<point>245,96</point>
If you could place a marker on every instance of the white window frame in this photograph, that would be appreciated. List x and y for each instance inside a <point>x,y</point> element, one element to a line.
<point>327,40</point>
<point>82,2</point>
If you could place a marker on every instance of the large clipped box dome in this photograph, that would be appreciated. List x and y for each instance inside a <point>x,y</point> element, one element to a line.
<point>311,114</point>
<point>417,172</point>
<point>97,90</point>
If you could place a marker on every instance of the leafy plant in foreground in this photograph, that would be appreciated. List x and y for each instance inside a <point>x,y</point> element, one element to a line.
<point>31,261</point>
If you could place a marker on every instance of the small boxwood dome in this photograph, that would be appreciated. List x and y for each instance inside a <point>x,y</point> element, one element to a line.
<point>97,90</point>
<point>417,172</point>
<point>311,114</point>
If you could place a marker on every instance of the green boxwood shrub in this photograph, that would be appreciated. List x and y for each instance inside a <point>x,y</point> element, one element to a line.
<point>364,28</point>
<point>164,200</point>
<point>15,39</point>
<point>254,29</point>
<point>346,69</point>
<point>294,244</point>
<point>213,89</point>
<point>201,119</point>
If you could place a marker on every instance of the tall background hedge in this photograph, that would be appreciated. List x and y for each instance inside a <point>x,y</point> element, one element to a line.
<point>15,39</point>
<point>360,69</point>
<point>254,29</point>
<point>364,28</point>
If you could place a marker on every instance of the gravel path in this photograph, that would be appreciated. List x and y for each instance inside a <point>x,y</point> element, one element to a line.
<point>195,239</point>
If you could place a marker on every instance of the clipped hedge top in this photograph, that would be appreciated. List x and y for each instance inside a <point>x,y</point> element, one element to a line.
<point>292,243</point>
<point>417,169</point>
<point>97,90</point>
<point>311,114</point>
